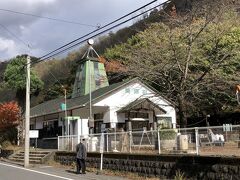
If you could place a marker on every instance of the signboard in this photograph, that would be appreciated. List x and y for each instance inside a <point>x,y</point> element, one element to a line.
<point>102,143</point>
<point>33,134</point>
<point>227,127</point>
<point>63,106</point>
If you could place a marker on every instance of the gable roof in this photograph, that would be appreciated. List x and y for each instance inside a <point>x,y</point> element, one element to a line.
<point>137,102</point>
<point>53,106</point>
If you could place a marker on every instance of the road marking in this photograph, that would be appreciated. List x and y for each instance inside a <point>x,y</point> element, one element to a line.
<point>39,172</point>
<point>45,167</point>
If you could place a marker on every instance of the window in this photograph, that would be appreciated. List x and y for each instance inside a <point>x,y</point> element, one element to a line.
<point>139,125</point>
<point>98,125</point>
<point>136,91</point>
<point>32,126</point>
<point>144,91</point>
<point>137,115</point>
<point>121,126</point>
<point>50,129</point>
<point>48,124</point>
<point>164,122</point>
<point>98,116</point>
<point>127,91</point>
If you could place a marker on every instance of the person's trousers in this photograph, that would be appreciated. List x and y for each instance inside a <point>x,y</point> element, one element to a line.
<point>78,166</point>
<point>81,165</point>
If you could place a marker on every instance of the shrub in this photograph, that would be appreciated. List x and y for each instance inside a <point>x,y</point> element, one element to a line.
<point>9,134</point>
<point>167,134</point>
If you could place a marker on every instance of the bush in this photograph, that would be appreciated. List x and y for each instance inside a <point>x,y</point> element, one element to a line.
<point>167,134</point>
<point>9,134</point>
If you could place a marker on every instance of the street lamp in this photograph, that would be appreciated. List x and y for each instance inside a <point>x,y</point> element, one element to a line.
<point>91,121</point>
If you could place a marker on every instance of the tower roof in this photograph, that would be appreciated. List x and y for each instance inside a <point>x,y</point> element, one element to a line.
<point>90,75</point>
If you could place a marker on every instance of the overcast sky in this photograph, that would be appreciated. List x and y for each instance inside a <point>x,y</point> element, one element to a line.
<point>44,35</point>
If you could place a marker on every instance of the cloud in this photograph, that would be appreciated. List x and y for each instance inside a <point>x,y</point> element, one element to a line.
<point>13,24</point>
<point>16,21</point>
<point>7,47</point>
<point>45,35</point>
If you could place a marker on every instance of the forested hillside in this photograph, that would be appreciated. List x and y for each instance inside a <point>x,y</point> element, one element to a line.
<point>129,46</point>
<point>61,71</point>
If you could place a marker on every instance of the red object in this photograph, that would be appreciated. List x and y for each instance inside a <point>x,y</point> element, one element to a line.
<point>9,114</point>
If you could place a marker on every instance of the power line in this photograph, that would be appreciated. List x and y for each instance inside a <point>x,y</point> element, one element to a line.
<point>49,55</point>
<point>14,35</point>
<point>76,44</point>
<point>108,24</point>
<point>49,18</point>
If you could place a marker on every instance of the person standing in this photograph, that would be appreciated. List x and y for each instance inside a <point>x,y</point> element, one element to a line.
<point>81,157</point>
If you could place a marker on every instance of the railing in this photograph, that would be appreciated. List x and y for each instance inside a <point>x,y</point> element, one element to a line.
<point>216,140</point>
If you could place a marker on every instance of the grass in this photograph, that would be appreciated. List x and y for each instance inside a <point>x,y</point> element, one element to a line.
<point>179,175</point>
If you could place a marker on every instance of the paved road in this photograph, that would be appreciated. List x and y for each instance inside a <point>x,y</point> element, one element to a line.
<point>11,172</point>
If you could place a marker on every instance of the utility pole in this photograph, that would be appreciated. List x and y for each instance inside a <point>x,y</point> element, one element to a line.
<point>27,114</point>
<point>65,109</point>
<point>91,120</point>
<point>90,96</point>
<point>66,118</point>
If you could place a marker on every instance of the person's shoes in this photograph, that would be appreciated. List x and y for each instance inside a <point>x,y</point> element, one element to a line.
<point>78,173</point>
<point>83,172</point>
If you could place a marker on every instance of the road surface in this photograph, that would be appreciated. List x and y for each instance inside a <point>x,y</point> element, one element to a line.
<point>14,172</point>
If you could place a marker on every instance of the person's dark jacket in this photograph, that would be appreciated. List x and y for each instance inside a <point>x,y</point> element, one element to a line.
<point>81,151</point>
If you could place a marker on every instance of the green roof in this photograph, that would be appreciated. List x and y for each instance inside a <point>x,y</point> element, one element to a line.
<point>53,106</point>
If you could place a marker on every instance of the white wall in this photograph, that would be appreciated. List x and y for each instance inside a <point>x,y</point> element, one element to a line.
<point>114,102</point>
<point>106,117</point>
<point>83,127</point>
<point>121,98</point>
<point>170,111</point>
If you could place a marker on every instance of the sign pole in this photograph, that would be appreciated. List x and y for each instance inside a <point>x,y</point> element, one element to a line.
<point>101,150</point>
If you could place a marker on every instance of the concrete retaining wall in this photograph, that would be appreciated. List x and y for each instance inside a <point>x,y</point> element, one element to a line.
<point>163,166</point>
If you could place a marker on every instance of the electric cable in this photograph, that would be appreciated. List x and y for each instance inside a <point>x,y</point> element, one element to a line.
<point>14,35</point>
<point>108,24</point>
<point>49,18</point>
<point>76,44</point>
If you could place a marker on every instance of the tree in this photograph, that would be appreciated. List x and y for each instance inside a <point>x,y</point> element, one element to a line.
<point>9,119</point>
<point>9,115</point>
<point>15,78</point>
<point>193,59</point>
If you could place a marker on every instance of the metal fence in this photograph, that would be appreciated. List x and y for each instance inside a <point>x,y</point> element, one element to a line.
<point>218,140</point>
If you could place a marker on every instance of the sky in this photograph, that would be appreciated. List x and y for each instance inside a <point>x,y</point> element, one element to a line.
<point>18,31</point>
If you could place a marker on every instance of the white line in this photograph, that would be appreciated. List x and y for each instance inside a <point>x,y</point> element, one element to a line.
<point>45,167</point>
<point>35,171</point>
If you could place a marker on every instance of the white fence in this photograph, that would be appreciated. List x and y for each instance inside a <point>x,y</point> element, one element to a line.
<point>219,140</point>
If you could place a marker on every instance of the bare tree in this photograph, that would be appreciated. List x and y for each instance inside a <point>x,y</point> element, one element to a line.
<point>193,59</point>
